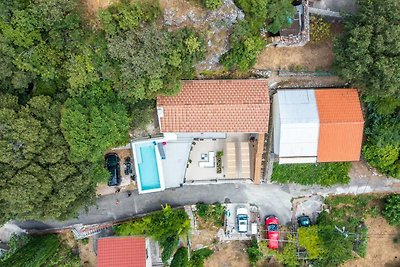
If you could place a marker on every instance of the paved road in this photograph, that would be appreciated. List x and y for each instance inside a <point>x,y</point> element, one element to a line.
<point>271,198</point>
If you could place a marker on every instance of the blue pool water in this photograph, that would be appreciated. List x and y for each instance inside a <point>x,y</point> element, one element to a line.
<point>147,163</point>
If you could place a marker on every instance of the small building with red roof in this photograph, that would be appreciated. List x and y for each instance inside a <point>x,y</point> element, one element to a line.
<point>123,252</point>
<point>321,125</point>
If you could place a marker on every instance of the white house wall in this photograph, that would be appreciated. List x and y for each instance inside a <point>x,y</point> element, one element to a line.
<point>276,123</point>
<point>298,123</point>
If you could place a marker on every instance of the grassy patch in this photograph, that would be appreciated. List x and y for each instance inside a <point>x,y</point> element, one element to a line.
<point>325,174</point>
<point>211,213</point>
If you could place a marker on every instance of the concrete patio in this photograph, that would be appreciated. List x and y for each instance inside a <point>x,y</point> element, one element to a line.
<point>237,160</point>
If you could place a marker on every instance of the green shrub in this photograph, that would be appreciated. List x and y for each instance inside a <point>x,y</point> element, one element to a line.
<point>163,226</point>
<point>85,241</point>
<point>288,256</point>
<point>245,44</point>
<point>320,30</point>
<point>309,239</point>
<point>391,211</point>
<point>213,4</point>
<point>202,210</point>
<point>125,15</point>
<point>326,174</point>
<point>254,253</point>
<point>180,258</point>
<point>197,257</point>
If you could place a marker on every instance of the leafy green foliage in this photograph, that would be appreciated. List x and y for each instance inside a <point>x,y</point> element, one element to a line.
<point>125,16</point>
<point>288,255</point>
<point>198,257</point>
<point>254,253</point>
<point>163,226</point>
<point>368,52</point>
<point>180,258</point>
<point>310,240</point>
<point>325,174</point>
<point>15,243</point>
<point>382,147</point>
<point>320,30</point>
<point>94,123</point>
<point>214,213</point>
<point>279,14</point>
<point>38,181</point>
<point>213,4</point>
<point>40,251</point>
<point>274,14</point>
<point>391,211</point>
<point>152,62</point>
<point>246,44</point>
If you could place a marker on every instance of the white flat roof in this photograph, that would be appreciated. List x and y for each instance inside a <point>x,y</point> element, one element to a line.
<point>297,106</point>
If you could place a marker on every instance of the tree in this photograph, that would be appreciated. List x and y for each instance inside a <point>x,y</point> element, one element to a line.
<point>213,4</point>
<point>245,46</point>
<point>44,250</point>
<point>368,53</point>
<point>38,181</point>
<point>180,258</point>
<point>391,211</point>
<point>35,37</point>
<point>94,123</point>
<point>164,226</point>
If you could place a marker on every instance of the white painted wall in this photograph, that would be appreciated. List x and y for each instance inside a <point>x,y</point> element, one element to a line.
<point>297,123</point>
<point>297,160</point>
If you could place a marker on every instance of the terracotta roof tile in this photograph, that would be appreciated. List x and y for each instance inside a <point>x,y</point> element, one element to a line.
<point>341,125</point>
<point>121,252</point>
<point>217,106</point>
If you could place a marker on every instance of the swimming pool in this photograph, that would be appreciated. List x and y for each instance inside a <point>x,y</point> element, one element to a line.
<point>148,167</point>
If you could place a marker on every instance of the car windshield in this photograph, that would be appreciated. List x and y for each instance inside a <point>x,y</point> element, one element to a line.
<point>242,217</point>
<point>273,227</point>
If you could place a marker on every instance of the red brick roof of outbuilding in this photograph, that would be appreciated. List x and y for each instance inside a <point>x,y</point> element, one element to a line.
<point>341,125</point>
<point>121,252</point>
<point>217,106</point>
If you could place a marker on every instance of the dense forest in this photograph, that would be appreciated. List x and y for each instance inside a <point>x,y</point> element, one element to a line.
<point>69,92</point>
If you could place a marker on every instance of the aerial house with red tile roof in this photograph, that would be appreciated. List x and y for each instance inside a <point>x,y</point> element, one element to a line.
<point>321,125</point>
<point>123,252</point>
<point>225,121</point>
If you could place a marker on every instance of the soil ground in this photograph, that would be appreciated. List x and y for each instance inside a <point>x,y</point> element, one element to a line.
<point>86,252</point>
<point>229,254</point>
<point>311,57</point>
<point>381,248</point>
<point>205,235</point>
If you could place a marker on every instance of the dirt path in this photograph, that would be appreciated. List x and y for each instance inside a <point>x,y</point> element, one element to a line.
<point>381,249</point>
<point>309,57</point>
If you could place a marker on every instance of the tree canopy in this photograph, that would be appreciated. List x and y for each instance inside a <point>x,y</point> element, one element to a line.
<point>37,179</point>
<point>368,53</point>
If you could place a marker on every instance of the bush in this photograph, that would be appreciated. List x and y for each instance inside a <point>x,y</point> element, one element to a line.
<point>214,213</point>
<point>180,258</point>
<point>391,211</point>
<point>246,44</point>
<point>125,16</point>
<point>254,253</point>
<point>320,30</point>
<point>198,256</point>
<point>163,226</point>
<point>309,239</point>
<point>326,174</point>
<point>288,256</point>
<point>213,4</point>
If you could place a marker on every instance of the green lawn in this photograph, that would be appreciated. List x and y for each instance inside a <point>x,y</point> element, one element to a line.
<point>325,174</point>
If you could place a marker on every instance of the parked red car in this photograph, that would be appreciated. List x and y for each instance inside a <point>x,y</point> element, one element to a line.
<point>272,228</point>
